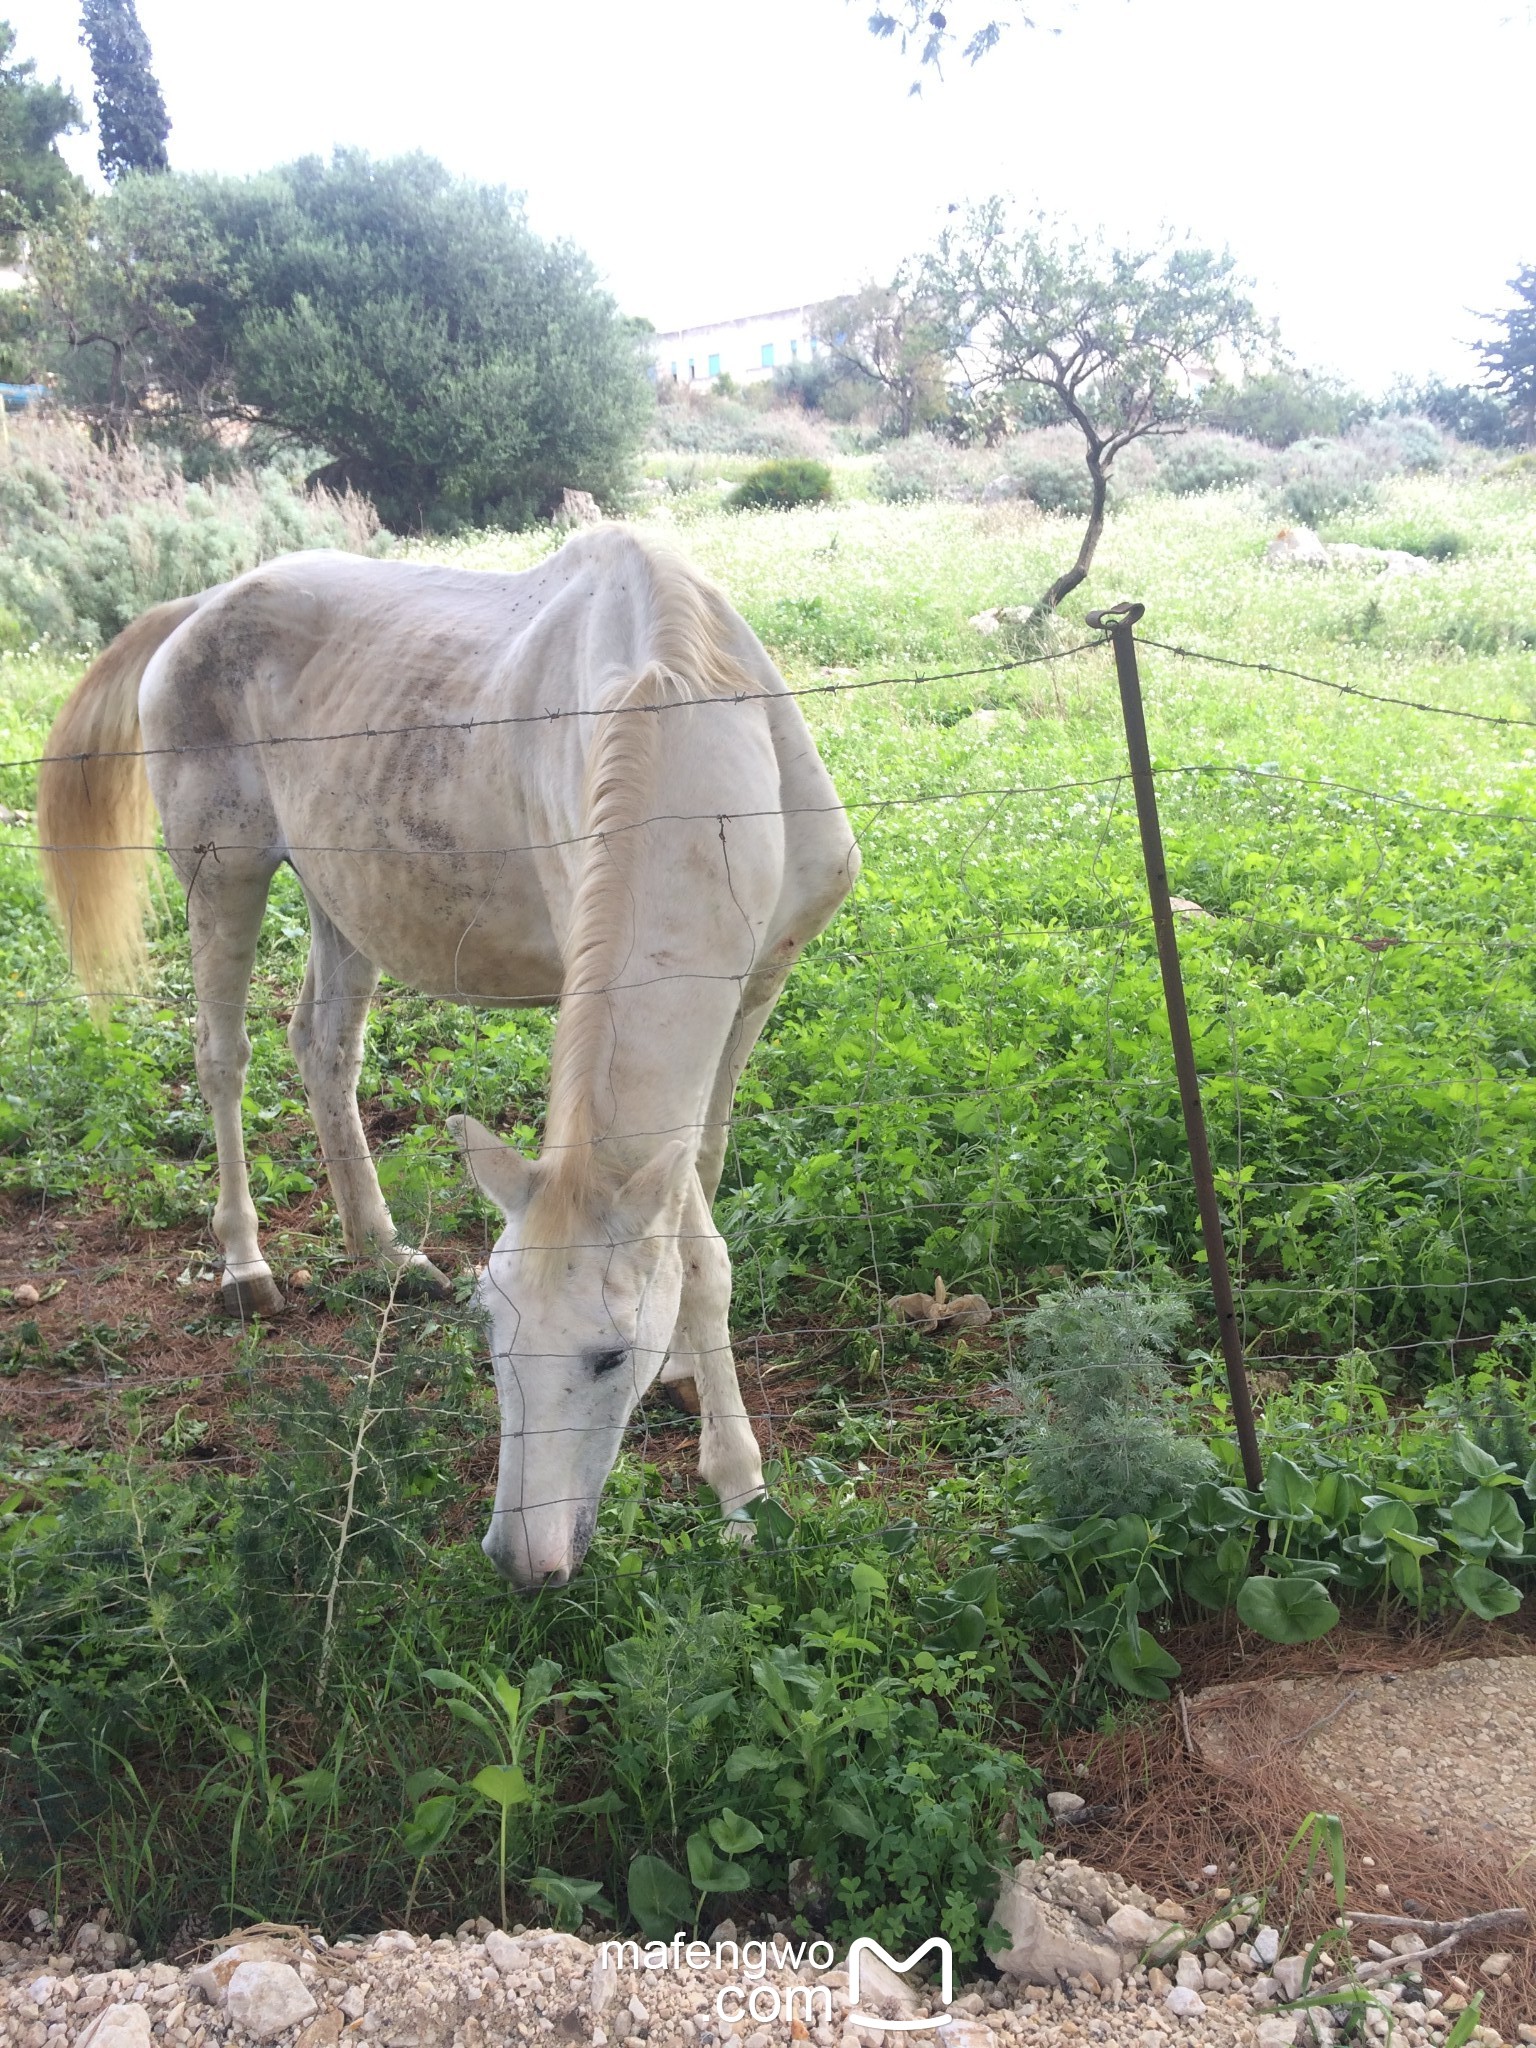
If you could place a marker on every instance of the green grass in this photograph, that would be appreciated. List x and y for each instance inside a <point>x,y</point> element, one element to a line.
<point>969,1073</point>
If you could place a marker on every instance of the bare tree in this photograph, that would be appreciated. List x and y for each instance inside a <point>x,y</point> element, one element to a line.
<point>1113,341</point>
<point>888,337</point>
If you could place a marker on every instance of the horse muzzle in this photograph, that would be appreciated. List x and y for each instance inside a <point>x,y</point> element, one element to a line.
<point>535,1548</point>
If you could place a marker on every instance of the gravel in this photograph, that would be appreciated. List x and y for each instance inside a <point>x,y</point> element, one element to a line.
<point>484,1988</point>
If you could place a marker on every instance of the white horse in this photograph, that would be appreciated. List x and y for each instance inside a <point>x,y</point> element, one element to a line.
<point>585,783</point>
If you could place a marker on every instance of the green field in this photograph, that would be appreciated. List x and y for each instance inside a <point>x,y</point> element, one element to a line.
<point>969,1074</point>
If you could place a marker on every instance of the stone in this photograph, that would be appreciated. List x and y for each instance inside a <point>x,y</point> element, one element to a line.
<point>354,2001</point>
<point>966,2034</point>
<point>1132,1928</point>
<point>880,1985</point>
<point>323,2031</point>
<point>118,2026</point>
<point>1221,1935</point>
<point>393,1941</point>
<point>508,1955</point>
<point>1048,1943</point>
<point>1279,2030</point>
<point>1264,1991</point>
<point>1184,2002</point>
<point>1495,1965</point>
<point>577,508</point>
<point>1065,1802</point>
<point>1266,1946</point>
<point>1189,1972</point>
<point>1288,1974</point>
<point>1170,1909</point>
<point>266,1998</point>
<point>1214,1978</point>
<point>1296,547</point>
<point>212,1978</point>
<point>604,1988</point>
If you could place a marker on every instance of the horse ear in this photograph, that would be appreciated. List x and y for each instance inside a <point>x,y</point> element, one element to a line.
<point>650,1202</point>
<point>496,1170</point>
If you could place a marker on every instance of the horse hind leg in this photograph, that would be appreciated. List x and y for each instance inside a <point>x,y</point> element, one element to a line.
<point>729,1458</point>
<point>224,913</point>
<point>326,1036</point>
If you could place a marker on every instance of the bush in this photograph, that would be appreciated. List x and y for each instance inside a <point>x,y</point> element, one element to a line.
<point>1206,462</point>
<point>1320,479</point>
<point>1056,486</point>
<point>1284,406</point>
<point>920,468</point>
<point>776,486</point>
<point>89,537</point>
<point>1401,442</point>
<point>1094,1427</point>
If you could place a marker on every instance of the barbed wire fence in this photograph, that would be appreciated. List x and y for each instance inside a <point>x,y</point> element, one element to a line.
<point>1255,1307</point>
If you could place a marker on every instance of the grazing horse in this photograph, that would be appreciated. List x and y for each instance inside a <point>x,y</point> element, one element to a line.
<point>585,784</point>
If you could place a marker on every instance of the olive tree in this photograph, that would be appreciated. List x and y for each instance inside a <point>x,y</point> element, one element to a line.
<point>1114,342</point>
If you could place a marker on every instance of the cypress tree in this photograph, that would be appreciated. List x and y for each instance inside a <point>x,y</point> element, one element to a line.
<point>130,111</point>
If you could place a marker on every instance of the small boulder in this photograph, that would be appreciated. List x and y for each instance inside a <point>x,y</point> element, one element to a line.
<point>1189,1972</point>
<point>884,1990</point>
<point>1065,1802</point>
<point>1495,1965</point>
<point>1288,1974</point>
<point>118,2026</point>
<point>1221,1936</point>
<point>508,1955</point>
<point>1296,547</point>
<point>1047,1943</point>
<point>1184,2002</point>
<point>1279,2030</point>
<point>1266,1946</point>
<point>212,1978</point>
<point>265,1998</point>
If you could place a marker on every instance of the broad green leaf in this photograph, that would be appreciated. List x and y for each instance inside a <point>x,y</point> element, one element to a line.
<point>1486,1523</point>
<point>1289,1494</point>
<point>1473,1460</point>
<point>712,1873</point>
<point>571,1897</point>
<point>708,1706</point>
<point>734,1833</point>
<point>420,1783</point>
<point>822,1472</point>
<point>742,1762</point>
<point>509,1697</point>
<point>1286,1610</point>
<point>539,1682</point>
<point>899,1536</point>
<point>1487,1594</point>
<point>314,1787</point>
<point>849,1819</point>
<point>659,1898</point>
<point>1143,1667</point>
<point>974,1586</point>
<point>600,1802</point>
<point>429,1826</point>
<point>461,1710</point>
<point>503,1784</point>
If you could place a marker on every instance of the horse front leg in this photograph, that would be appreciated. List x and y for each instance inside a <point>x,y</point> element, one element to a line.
<point>729,1459</point>
<point>224,913</point>
<point>326,1036</point>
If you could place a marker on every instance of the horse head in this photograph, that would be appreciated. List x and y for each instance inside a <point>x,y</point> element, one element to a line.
<point>581,1301</point>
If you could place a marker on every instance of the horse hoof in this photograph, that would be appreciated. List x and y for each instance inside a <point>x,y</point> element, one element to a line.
<point>418,1276</point>
<point>257,1294</point>
<point>683,1395</point>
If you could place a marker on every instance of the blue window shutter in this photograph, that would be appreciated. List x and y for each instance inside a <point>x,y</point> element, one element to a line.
<point>767,355</point>
<point>714,366</point>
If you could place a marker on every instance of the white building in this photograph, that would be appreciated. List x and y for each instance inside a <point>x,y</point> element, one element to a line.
<point>746,350</point>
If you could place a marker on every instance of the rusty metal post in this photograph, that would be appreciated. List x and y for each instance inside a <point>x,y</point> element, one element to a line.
<point>1119,621</point>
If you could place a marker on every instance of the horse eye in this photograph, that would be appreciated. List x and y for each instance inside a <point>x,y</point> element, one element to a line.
<point>607,1361</point>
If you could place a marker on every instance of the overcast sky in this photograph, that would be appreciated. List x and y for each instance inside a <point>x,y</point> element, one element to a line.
<point>1367,161</point>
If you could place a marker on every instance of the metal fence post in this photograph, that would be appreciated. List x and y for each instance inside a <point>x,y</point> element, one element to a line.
<point>1119,621</point>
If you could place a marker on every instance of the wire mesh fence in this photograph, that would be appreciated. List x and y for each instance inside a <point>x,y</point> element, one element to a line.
<point>969,1075</point>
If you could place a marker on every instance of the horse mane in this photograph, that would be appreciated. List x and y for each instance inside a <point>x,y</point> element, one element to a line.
<point>691,627</point>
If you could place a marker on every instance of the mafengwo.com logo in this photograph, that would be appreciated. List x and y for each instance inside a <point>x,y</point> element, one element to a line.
<point>863,1947</point>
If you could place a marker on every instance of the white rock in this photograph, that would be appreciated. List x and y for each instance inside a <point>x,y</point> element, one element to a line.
<point>1296,547</point>
<point>1266,1946</point>
<point>118,2026</point>
<point>1214,1978</point>
<point>966,2034</point>
<point>1495,1965</point>
<point>266,1998</point>
<point>1047,1943</point>
<point>1264,1991</point>
<point>1288,1973</point>
<point>638,2012</point>
<point>1221,1936</point>
<point>43,1990</point>
<point>508,1955</point>
<point>212,1978</point>
<point>354,2001</point>
<point>1279,2030</point>
<point>393,1941</point>
<point>880,1985</point>
<point>1184,2002</point>
<point>1065,1802</point>
<point>1189,1972</point>
<point>605,1986</point>
<point>1133,1928</point>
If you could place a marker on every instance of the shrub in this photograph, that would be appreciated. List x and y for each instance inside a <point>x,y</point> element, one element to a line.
<point>1206,462</point>
<point>89,537</point>
<point>1400,442</point>
<point>1434,543</point>
<point>1320,479</point>
<point>776,486</point>
<point>1093,1425</point>
<point>919,468</point>
<point>1056,486</point>
<point>1284,406</point>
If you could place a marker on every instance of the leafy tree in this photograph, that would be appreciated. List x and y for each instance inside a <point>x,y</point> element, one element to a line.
<point>1469,412</point>
<point>1110,340</point>
<point>130,111</point>
<point>446,361</point>
<point>35,182</point>
<point>1283,405</point>
<point>1509,356</point>
<point>891,340</point>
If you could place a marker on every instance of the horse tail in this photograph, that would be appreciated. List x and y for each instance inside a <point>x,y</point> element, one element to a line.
<point>95,814</point>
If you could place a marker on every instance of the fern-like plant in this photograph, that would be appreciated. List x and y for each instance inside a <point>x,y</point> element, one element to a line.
<point>1093,1423</point>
